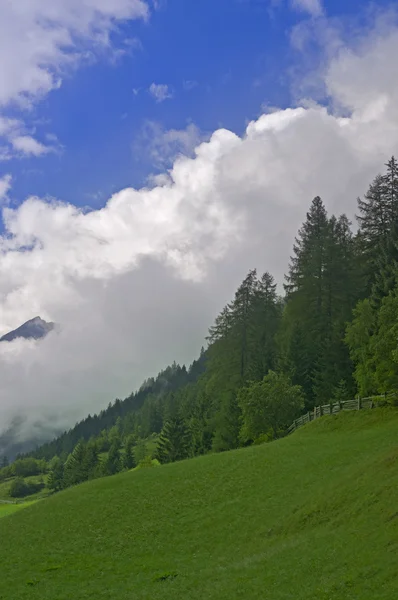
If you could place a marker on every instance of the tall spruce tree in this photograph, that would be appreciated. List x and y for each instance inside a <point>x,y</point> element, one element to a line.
<point>74,471</point>
<point>174,441</point>
<point>129,461</point>
<point>378,226</point>
<point>306,290</point>
<point>267,312</point>
<point>322,288</point>
<point>55,480</point>
<point>113,462</point>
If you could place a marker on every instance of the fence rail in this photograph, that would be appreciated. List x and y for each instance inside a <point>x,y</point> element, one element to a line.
<point>335,407</point>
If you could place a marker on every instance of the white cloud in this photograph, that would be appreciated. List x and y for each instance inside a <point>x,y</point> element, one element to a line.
<point>5,185</point>
<point>313,7</point>
<point>27,145</point>
<point>160,91</point>
<point>40,40</point>
<point>162,147</point>
<point>136,284</point>
<point>37,38</point>
<point>17,142</point>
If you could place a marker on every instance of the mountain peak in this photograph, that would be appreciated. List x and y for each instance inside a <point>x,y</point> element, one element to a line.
<point>35,328</point>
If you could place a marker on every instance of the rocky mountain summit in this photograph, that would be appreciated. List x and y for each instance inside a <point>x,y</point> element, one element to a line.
<point>36,329</point>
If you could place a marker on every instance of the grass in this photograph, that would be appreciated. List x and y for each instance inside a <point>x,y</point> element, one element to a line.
<point>311,517</point>
<point>9,509</point>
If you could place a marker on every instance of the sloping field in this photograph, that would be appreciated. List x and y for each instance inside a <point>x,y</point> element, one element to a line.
<point>311,517</point>
<point>8,508</point>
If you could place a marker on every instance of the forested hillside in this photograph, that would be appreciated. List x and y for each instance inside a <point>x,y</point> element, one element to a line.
<point>333,334</point>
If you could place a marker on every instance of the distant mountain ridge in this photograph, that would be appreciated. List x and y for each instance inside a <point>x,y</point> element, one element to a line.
<point>35,329</point>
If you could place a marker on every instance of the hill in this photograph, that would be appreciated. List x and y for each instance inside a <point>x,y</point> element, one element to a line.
<point>313,515</point>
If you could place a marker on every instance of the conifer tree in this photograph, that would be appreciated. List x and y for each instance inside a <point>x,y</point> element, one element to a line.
<point>113,460</point>
<point>129,461</point>
<point>378,220</point>
<point>55,480</point>
<point>90,461</point>
<point>74,469</point>
<point>174,441</point>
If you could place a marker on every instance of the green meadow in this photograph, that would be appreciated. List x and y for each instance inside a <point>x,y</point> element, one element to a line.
<point>311,516</point>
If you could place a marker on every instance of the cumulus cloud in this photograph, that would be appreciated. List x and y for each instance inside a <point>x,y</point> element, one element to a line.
<point>5,186</point>
<point>27,145</point>
<point>18,142</point>
<point>160,91</point>
<point>135,284</point>
<point>40,40</point>
<point>39,37</point>
<point>313,7</point>
<point>162,146</point>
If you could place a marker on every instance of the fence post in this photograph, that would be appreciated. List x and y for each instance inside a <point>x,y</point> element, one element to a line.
<point>331,408</point>
<point>359,403</point>
<point>320,411</point>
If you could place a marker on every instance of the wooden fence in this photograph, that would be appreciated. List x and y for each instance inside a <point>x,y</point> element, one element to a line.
<point>335,407</point>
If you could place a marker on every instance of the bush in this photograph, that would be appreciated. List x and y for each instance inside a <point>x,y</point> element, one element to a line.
<point>148,462</point>
<point>20,488</point>
<point>24,467</point>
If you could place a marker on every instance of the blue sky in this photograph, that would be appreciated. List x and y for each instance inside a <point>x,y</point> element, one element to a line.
<point>222,60</point>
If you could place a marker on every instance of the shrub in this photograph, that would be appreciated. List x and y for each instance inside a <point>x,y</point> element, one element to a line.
<point>20,488</point>
<point>148,462</point>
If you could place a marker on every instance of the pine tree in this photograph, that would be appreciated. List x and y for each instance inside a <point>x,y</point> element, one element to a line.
<point>377,218</point>
<point>90,461</point>
<point>55,480</point>
<point>113,460</point>
<point>306,316</point>
<point>227,423</point>
<point>322,287</point>
<point>174,441</point>
<point>267,312</point>
<point>74,468</point>
<point>129,461</point>
<point>341,393</point>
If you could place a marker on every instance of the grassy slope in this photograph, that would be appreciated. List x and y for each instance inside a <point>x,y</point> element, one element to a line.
<point>313,516</point>
<point>9,509</point>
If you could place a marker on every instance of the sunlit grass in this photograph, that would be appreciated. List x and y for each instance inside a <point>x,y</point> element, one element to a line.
<point>311,517</point>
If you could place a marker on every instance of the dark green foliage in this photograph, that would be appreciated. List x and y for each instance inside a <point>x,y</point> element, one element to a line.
<point>20,488</point>
<point>129,457</point>
<point>342,392</point>
<point>378,218</point>
<point>113,463</point>
<point>372,338</point>
<point>269,406</point>
<point>24,467</point>
<point>74,471</point>
<point>322,289</point>
<point>55,480</point>
<point>174,441</point>
<point>90,461</point>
